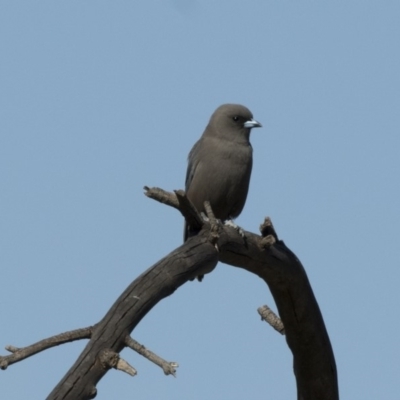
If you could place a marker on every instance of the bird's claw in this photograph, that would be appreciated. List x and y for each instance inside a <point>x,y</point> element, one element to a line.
<point>204,216</point>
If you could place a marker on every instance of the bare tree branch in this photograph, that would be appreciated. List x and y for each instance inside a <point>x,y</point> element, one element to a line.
<point>111,359</point>
<point>196,256</point>
<point>19,354</point>
<point>269,316</point>
<point>168,367</point>
<point>266,256</point>
<point>305,332</point>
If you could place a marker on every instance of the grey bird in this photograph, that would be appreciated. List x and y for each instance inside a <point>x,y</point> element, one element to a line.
<point>220,163</point>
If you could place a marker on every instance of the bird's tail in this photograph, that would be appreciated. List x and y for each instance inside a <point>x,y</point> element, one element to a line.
<point>185,231</point>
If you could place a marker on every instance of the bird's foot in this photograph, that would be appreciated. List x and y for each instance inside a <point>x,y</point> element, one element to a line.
<point>231,223</point>
<point>204,216</point>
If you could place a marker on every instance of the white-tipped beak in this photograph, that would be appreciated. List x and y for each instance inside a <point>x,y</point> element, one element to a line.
<point>252,123</point>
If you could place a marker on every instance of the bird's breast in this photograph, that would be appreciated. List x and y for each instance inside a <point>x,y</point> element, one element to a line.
<point>222,177</point>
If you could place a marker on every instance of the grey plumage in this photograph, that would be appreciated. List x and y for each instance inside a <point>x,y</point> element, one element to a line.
<point>220,163</point>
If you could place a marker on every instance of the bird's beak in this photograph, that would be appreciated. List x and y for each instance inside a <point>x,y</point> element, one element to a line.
<point>252,123</point>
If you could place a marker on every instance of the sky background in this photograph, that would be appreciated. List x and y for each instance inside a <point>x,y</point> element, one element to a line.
<point>98,99</point>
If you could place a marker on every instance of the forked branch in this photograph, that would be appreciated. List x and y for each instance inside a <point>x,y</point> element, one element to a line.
<point>265,255</point>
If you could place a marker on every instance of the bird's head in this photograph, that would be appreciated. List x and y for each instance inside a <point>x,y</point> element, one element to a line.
<point>232,122</point>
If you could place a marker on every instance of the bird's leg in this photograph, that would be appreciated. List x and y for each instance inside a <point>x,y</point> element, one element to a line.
<point>231,223</point>
<point>218,221</point>
<point>204,216</point>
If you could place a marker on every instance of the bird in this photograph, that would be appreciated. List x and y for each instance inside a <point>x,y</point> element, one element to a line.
<point>220,163</point>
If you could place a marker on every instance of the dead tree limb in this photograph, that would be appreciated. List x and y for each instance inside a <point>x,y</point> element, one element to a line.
<point>196,256</point>
<point>20,353</point>
<point>305,331</point>
<point>269,316</point>
<point>265,255</point>
<point>169,368</point>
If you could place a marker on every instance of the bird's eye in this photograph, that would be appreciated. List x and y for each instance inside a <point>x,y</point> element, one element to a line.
<point>236,118</point>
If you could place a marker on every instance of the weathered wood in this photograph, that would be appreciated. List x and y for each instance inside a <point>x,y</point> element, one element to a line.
<point>196,256</point>
<point>305,331</point>
<point>266,256</point>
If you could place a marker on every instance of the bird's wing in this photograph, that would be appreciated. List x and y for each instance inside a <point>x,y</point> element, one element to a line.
<point>193,162</point>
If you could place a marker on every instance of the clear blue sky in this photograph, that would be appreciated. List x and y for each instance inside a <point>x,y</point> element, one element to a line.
<point>98,99</point>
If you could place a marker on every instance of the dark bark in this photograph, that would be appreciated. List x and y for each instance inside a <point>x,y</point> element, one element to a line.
<point>313,358</point>
<point>314,363</point>
<point>265,255</point>
<point>196,256</point>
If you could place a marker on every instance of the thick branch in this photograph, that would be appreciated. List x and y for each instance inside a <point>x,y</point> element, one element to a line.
<point>306,335</point>
<point>196,256</point>
<point>266,256</point>
<point>270,259</point>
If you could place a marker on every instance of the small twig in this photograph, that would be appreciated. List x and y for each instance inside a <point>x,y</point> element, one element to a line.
<point>20,353</point>
<point>269,316</point>
<point>168,367</point>
<point>124,366</point>
<point>162,196</point>
<point>111,359</point>
<point>267,229</point>
<point>179,201</point>
<point>267,241</point>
